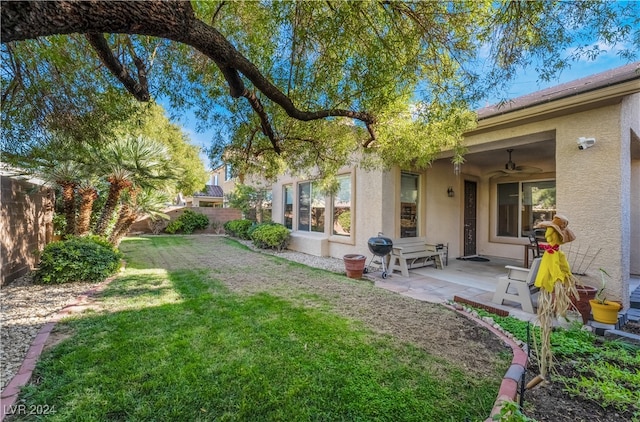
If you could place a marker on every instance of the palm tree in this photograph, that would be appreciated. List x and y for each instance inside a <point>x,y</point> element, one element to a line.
<point>147,202</point>
<point>65,174</point>
<point>127,162</point>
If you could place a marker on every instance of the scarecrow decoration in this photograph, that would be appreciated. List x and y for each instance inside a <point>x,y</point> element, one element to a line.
<point>557,285</point>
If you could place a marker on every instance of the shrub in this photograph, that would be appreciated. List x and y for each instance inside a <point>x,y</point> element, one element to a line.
<point>270,236</point>
<point>188,222</point>
<point>238,228</point>
<point>89,258</point>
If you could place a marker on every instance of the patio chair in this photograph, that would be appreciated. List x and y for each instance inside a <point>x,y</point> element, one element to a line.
<point>535,246</point>
<point>522,281</point>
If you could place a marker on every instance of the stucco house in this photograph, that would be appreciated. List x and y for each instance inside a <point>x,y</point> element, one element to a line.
<point>212,196</point>
<point>572,149</point>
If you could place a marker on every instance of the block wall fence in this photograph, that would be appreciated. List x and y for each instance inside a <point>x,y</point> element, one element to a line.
<point>26,226</point>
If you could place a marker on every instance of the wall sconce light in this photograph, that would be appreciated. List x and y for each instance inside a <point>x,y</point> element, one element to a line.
<point>450,192</point>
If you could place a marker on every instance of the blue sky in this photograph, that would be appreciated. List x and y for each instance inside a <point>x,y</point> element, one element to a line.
<point>525,83</point>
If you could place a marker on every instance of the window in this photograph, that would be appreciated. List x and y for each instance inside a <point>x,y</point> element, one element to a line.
<point>342,207</point>
<point>311,208</point>
<point>288,206</point>
<point>409,204</point>
<point>522,205</point>
<point>228,175</point>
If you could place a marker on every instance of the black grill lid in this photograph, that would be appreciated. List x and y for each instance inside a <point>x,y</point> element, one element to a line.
<point>380,245</point>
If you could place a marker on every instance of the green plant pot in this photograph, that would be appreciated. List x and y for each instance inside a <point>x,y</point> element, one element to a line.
<point>606,313</point>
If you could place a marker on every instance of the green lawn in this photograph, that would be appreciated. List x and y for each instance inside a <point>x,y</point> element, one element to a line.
<point>179,345</point>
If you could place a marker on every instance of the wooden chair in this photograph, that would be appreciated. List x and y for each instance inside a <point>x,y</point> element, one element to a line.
<point>522,280</point>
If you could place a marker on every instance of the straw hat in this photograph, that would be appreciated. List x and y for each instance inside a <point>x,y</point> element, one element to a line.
<point>560,223</point>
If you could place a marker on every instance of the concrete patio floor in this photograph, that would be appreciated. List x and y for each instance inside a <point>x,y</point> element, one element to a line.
<point>471,280</point>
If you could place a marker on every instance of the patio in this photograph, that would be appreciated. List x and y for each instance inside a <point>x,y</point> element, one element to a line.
<point>472,280</point>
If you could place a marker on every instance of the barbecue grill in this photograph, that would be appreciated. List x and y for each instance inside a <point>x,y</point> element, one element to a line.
<point>380,246</point>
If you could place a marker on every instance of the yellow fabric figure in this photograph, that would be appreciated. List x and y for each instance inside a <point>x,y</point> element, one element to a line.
<point>554,266</point>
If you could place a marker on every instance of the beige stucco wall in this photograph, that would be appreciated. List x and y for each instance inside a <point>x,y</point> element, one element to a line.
<point>444,213</point>
<point>590,188</point>
<point>631,128</point>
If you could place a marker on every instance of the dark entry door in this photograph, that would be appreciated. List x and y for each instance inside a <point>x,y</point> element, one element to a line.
<point>470,205</point>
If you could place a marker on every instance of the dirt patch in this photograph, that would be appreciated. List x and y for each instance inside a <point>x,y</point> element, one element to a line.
<point>631,327</point>
<point>547,402</point>
<point>59,333</point>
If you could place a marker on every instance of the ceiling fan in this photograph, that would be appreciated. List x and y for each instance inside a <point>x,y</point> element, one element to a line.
<point>510,168</point>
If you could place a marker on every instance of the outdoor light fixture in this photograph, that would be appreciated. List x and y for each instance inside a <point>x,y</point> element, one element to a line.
<point>456,169</point>
<point>450,192</point>
<point>584,143</point>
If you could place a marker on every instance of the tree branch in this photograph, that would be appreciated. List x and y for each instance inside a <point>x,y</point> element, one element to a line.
<point>173,20</point>
<point>139,89</point>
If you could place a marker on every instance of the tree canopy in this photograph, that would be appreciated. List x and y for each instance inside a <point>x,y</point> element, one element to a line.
<point>293,83</point>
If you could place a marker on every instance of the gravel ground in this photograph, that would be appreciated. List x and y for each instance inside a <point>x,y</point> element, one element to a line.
<point>26,307</point>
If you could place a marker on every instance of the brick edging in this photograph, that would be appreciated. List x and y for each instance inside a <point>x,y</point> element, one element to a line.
<point>11,391</point>
<point>509,387</point>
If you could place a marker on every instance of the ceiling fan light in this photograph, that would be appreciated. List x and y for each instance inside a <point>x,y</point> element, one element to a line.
<point>510,164</point>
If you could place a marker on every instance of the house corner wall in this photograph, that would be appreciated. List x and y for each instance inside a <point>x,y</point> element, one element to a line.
<point>630,127</point>
<point>590,193</point>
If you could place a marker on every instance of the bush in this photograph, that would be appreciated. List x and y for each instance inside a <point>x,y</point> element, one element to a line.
<point>188,222</point>
<point>238,228</point>
<point>89,258</point>
<point>270,236</point>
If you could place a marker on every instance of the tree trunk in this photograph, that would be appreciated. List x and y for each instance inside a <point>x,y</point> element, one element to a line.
<point>88,196</point>
<point>122,227</point>
<point>69,205</point>
<point>115,189</point>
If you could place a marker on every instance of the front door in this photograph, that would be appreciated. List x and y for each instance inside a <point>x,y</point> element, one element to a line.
<point>470,205</point>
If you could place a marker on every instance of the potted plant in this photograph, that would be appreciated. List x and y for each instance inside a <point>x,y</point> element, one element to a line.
<point>354,264</point>
<point>603,310</point>
<point>585,294</point>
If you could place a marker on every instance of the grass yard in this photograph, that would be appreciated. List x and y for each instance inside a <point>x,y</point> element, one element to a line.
<point>201,328</point>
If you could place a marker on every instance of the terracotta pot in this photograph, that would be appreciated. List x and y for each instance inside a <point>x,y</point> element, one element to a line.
<point>354,264</point>
<point>606,313</point>
<point>586,293</point>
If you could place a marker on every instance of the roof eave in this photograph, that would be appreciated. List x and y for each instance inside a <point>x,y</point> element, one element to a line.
<point>562,106</point>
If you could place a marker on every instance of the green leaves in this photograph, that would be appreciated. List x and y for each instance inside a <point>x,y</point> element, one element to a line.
<point>311,83</point>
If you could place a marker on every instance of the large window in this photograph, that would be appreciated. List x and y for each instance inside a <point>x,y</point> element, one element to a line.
<point>342,207</point>
<point>311,208</point>
<point>288,206</point>
<point>522,205</point>
<point>409,198</point>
